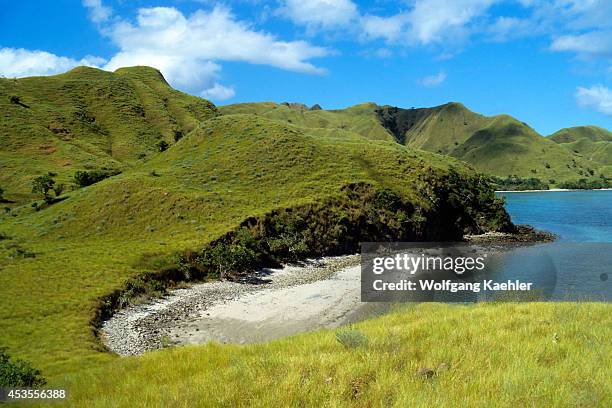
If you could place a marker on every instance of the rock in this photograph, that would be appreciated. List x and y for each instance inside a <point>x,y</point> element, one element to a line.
<point>442,367</point>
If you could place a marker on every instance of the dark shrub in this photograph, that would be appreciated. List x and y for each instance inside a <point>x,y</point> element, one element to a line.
<point>162,145</point>
<point>18,373</point>
<point>87,178</point>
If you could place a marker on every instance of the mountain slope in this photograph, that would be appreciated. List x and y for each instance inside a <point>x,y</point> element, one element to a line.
<point>59,260</point>
<point>439,129</point>
<point>497,145</point>
<point>88,119</point>
<point>360,119</point>
<point>591,142</point>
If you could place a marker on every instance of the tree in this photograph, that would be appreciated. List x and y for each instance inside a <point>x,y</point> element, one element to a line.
<point>42,185</point>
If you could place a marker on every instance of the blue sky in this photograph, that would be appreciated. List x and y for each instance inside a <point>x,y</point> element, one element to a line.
<point>546,62</point>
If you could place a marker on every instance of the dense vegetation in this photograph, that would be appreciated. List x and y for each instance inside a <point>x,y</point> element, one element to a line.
<point>516,183</point>
<point>18,373</point>
<point>584,184</point>
<point>227,193</point>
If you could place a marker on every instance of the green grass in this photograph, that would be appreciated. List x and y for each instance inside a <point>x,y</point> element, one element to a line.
<point>498,145</point>
<point>56,263</point>
<point>231,168</point>
<point>87,119</point>
<point>591,142</point>
<point>504,355</point>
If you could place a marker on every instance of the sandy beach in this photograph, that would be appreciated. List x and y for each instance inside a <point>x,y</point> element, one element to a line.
<point>317,294</point>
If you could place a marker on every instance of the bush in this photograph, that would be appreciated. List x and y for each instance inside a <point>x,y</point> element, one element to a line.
<point>584,184</point>
<point>178,135</point>
<point>87,178</point>
<point>516,183</point>
<point>351,338</point>
<point>58,189</point>
<point>162,145</point>
<point>18,373</point>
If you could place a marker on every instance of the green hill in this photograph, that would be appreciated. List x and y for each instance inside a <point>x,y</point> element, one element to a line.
<point>337,175</point>
<point>591,142</point>
<point>360,119</point>
<point>88,119</point>
<point>498,145</point>
<point>58,260</point>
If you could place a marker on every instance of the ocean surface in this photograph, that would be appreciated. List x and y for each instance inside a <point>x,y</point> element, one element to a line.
<point>575,216</point>
<point>579,264</point>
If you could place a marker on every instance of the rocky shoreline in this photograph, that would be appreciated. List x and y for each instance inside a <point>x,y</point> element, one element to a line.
<point>524,235</point>
<point>140,328</point>
<point>172,319</point>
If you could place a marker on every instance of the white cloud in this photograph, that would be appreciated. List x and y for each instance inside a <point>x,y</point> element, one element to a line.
<point>186,49</point>
<point>387,28</point>
<point>433,80</point>
<point>594,44</point>
<point>98,13</point>
<point>218,92</point>
<point>19,62</point>
<point>320,13</point>
<point>507,28</point>
<point>443,20</point>
<point>597,97</point>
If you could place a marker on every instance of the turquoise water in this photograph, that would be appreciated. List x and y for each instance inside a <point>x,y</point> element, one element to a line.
<point>575,216</point>
<point>578,264</point>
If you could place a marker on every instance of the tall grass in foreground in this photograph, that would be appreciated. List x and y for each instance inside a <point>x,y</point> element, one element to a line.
<point>501,354</point>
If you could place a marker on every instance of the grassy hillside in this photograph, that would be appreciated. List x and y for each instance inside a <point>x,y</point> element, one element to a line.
<point>503,355</point>
<point>498,145</point>
<point>359,119</point>
<point>591,142</point>
<point>440,129</point>
<point>88,119</point>
<point>57,261</point>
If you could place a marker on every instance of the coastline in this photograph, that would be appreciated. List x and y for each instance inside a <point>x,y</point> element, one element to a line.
<point>316,293</point>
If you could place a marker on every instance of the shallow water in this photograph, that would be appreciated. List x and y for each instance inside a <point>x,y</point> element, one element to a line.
<point>577,265</point>
<point>575,216</point>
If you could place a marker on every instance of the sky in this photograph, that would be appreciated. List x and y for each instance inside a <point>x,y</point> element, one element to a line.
<point>545,62</point>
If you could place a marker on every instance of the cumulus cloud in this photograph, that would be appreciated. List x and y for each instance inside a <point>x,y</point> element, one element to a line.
<point>19,62</point>
<point>98,13</point>
<point>593,44</point>
<point>218,92</point>
<point>432,81</point>
<point>597,97</point>
<point>187,48</point>
<point>442,20</point>
<point>320,13</point>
